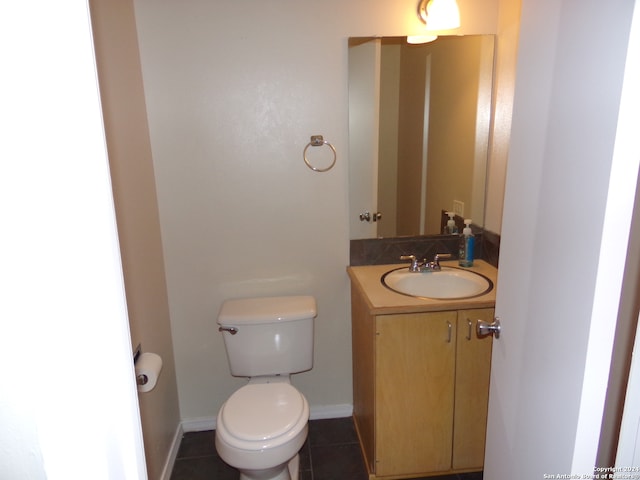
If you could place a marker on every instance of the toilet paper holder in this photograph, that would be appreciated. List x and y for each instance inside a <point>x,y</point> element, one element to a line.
<point>136,353</point>
<point>147,367</point>
<point>141,379</point>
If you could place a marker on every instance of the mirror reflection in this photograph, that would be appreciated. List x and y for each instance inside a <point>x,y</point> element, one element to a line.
<point>419,118</point>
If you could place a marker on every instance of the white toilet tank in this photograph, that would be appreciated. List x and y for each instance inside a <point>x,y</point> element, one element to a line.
<point>269,335</point>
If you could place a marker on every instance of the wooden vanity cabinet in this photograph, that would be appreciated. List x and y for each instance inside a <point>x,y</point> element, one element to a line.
<point>421,383</point>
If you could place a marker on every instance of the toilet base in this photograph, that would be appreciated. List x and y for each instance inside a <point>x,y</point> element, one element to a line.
<point>294,467</point>
<point>291,472</point>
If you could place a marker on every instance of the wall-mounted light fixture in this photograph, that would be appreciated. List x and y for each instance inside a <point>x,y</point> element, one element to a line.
<point>437,15</point>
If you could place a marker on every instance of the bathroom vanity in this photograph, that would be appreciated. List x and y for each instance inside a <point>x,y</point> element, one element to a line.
<point>420,376</point>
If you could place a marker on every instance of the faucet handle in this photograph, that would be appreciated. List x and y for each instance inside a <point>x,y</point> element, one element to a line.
<point>438,257</point>
<point>415,266</point>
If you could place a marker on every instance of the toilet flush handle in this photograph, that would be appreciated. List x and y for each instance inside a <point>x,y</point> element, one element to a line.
<point>231,330</point>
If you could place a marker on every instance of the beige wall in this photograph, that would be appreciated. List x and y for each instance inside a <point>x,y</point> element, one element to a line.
<point>455,88</point>
<point>234,91</point>
<point>137,216</point>
<point>410,138</point>
<point>504,85</point>
<point>454,82</point>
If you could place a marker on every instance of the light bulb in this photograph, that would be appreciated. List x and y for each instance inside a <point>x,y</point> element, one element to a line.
<point>443,15</point>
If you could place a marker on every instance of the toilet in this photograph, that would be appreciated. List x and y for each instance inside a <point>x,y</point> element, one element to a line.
<point>263,425</point>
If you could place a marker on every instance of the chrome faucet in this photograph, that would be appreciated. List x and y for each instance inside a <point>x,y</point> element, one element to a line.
<point>425,266</point>
<point>415,266</point>
<point>435,265</point>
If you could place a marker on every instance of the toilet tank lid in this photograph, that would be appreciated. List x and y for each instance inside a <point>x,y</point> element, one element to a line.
<point>266,310</point>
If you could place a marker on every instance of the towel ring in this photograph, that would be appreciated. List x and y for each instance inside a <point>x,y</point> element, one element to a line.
<point>318,141</point>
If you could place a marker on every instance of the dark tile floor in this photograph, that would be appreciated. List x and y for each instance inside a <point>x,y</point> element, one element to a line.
<point>331,452</point>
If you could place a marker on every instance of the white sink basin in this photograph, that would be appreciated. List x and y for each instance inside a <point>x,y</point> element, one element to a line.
<point>449,283</point>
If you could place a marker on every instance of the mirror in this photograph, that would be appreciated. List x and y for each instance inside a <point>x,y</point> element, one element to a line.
<point>419,120</point>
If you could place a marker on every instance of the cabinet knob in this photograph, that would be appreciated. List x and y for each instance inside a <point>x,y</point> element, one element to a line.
<point>485,328</point>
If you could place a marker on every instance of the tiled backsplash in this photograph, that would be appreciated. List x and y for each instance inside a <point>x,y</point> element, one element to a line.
<point>378,251</point>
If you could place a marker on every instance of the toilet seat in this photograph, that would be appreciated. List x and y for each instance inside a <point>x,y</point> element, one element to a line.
<point>260,416</point>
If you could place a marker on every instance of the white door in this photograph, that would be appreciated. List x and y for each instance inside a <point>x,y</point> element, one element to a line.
<point>568,200</point>
<point>68,399</point>
<point>364,108</point>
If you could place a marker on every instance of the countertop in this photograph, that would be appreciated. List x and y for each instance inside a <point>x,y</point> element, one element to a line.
<point>381,300</point>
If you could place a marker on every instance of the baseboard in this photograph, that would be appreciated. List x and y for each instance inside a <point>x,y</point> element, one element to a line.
<point>317,412</point>
<point>199,424</point>
<point>173,454</point>
<point>322,412</point>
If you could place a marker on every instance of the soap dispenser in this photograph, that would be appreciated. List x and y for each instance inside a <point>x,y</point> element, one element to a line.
<point>451,228</point>
<point>466,246</point>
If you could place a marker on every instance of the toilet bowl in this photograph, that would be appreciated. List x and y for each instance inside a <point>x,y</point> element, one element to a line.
<point>260,430</point>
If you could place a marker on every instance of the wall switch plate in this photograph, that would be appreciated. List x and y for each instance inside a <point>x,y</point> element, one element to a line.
<point>458,208</point>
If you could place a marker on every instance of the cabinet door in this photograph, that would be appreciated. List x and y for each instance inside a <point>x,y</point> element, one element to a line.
<point>415,362</point>
<point>473,369</point>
